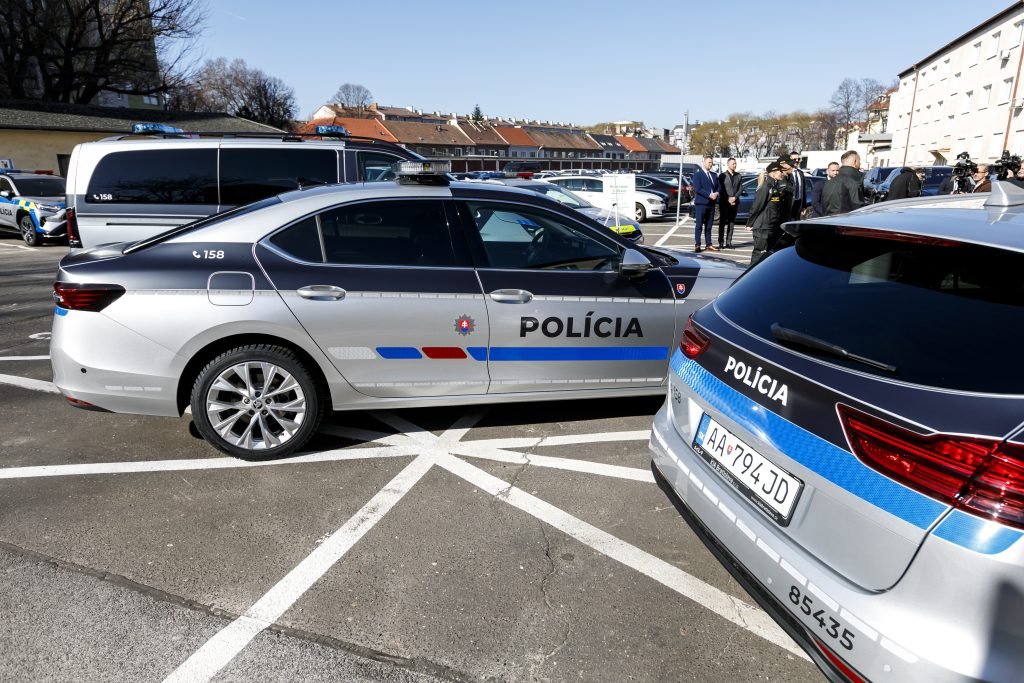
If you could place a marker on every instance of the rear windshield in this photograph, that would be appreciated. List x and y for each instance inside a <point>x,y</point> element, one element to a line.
<point>947,317</point>
<point>204,222</point>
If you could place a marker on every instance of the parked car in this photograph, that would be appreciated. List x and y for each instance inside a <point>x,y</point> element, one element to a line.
<point>369,295</point>
<point>591,188</point>
<point>32,205</point>
<point>123,189</point>
<point>623,225</point>
<point>665,185</point>
<point>933,177</point>
<point>858,469</point>
<point>874,177</point>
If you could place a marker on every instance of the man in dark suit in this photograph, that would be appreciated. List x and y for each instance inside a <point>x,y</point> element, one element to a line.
<point>798,185</point>
<point>730,184</point>
<point>831,172</point>
<point>705,196</point>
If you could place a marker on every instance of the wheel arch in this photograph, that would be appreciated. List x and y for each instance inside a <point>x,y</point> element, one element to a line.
<point>213,349</point>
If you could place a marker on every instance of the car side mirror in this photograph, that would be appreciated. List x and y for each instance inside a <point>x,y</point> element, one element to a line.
<point>634,265</point>
<point>5,194</point>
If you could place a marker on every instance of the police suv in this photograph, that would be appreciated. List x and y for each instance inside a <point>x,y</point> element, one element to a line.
<point>129,187</point>
<point>387,294</point>
<point>32,205</point>
<point>845,430</point>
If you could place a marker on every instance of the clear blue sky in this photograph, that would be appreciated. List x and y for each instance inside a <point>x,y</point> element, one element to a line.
<point>585,62</point>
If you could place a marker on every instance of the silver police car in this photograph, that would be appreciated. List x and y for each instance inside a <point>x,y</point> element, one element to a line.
<point>388,294</point>
<point>845,430</point>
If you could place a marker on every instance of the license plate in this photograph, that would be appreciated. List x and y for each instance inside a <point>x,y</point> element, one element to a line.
<point>772,489</point>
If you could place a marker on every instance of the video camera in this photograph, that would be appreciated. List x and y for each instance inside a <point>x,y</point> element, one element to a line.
<point>964,168</point>
<point>1006,166</point>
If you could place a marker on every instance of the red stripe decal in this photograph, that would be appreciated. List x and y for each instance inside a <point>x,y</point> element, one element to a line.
<point>441,352</point>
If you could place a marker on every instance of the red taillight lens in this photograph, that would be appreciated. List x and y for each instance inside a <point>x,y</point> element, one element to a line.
<point>983,476</point>
<point>898,237</point>
<point>694,342</point>
<point>85,297</point>
<point>73,239</point>
<point>838,663</point>
<point>673,190</point>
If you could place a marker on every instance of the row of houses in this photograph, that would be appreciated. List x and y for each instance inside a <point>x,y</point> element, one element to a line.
<point>482,144</point>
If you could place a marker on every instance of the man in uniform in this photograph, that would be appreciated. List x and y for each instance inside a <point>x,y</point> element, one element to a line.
<point>770,210</point>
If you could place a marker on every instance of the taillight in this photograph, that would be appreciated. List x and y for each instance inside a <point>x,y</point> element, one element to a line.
<point>673,190</point>
<point>838,663</point>
<point>694,342</point>
<point>73,239</point>
<point>85,297</point>
<point>898,237</point>
<point>983,476</point>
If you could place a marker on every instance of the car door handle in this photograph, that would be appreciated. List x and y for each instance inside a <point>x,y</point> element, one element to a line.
<point>322,293</point>
<point>512,296</point>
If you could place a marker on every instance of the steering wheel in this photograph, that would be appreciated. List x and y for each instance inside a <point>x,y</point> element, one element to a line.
<point>536,245</point>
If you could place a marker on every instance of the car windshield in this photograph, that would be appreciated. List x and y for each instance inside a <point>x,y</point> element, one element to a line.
<point>893,301</point>
<point>202,223</point>
<point>46,186</point>
<point>563,196</point>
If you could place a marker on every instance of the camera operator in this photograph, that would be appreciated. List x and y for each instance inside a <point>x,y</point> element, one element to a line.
<point>960,182</point>
<point>1018,178</point>
<point>980,178</point>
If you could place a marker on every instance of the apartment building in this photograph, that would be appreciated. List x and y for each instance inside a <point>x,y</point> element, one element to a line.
<point>964,97</point>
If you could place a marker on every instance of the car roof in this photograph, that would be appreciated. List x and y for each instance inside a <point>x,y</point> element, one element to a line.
<point>992,219</point>
<point>14,175</point>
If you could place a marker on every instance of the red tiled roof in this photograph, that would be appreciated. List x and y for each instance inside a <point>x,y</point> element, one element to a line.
<point>516,137</point>
<point>481,134</point>
<point>413,133</point>
<point>630,143</point>
<point>564,141</point>
<point>365,128</point>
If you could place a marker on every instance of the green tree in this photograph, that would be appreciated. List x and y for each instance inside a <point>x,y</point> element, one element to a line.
<point>477,115</point>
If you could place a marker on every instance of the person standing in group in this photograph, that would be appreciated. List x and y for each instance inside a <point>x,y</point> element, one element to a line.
<point>845,192</point>
<point>770,210</point>
<point>730,183</point>
<point>1018,178</point>
<point>705,196</point>
<point>798,186</point>
<point>817,210</point>
<point>906,184</point>
<point>980,178</point>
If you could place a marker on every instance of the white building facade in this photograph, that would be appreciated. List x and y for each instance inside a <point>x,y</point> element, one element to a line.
<point>964,97</point>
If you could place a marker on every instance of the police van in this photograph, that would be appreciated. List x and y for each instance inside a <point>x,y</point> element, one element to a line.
<point>130,187</point>
<point>32,205</point>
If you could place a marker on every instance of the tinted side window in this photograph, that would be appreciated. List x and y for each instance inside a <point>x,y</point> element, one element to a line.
<point>248,175</point>
<point>375,167</point>
<point>525,238</point>
<point>157,176</point>
<point>388,233</point>
<point>301,240</point>
<point>593,185</point>
<point>5,185</point>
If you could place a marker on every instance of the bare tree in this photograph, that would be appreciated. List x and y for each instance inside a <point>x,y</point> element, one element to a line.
<point>238,89</point>
<point>354,97</point>
<point>847,104</point>
<point>71,51</point>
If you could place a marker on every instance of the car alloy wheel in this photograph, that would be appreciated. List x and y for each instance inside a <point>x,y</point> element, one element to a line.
<point>28,231</point>
<point>641,213</point>
<point>256,402</point>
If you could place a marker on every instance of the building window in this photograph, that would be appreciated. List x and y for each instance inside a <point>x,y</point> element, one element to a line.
<point>995,42</point>
<point>986,97</point>
<point>1004,96</point>
<point>976,53</point>
<point>968,101</point>
<point>1018,32</point>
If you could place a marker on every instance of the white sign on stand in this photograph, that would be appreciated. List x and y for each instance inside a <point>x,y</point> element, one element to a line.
<point>7,164</point>
<point>620,194</point>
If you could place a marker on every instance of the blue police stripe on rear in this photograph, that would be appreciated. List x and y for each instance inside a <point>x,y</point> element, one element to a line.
<point>975,533</point>
<point>557,353</point>
<point>399,352</point>
<point>828,460</point>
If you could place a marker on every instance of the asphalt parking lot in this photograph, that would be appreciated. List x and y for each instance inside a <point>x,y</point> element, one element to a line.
<point>519,543</point>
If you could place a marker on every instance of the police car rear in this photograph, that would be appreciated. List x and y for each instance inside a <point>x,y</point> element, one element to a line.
<point>844,431</point>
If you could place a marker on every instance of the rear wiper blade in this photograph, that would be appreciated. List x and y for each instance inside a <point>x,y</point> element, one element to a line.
<point>807,341</point>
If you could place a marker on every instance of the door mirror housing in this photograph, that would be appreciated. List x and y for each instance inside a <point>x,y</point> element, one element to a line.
<point>634,265</point>
<point>5,194</point>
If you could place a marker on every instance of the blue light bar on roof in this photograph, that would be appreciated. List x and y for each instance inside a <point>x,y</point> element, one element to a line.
<point>332,130</point>
<point>155,128</point>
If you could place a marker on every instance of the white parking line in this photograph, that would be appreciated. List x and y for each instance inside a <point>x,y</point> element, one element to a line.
<point>664,238</point>
<point>223,647</point>
<point>24,357</point>
<point>17,246</point>
<point>470,450</point>
<point>29,383</point>
<point>706,595</point>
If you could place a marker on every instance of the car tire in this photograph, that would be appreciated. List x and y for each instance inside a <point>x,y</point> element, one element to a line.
<point>28,230</point>
<point>230,405</point>
<point>641,213</point>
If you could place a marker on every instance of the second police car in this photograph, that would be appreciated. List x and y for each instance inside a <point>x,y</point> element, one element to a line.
<point>369,295</point>
<point>845,430</point>
<point>32,205</point>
